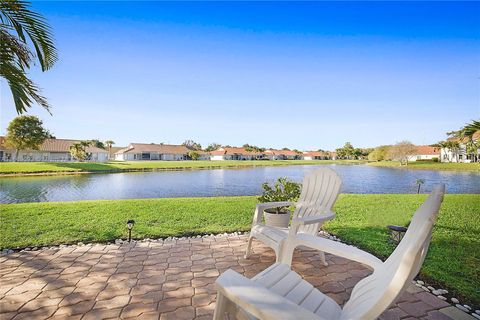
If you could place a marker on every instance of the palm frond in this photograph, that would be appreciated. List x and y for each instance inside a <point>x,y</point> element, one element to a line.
<point>28,23</point>
<point>18,28</point>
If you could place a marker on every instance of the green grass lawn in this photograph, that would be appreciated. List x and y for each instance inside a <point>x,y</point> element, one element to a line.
<point>453,260</point>
<point>59,167</point>
<point>429,165</point>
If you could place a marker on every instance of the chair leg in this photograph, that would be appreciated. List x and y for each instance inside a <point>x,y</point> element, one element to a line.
<point>221,307</point>
<point>249,247</point>
<point>322,258</point>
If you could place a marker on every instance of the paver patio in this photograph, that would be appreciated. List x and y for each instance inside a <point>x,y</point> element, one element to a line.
<point>169,280</point>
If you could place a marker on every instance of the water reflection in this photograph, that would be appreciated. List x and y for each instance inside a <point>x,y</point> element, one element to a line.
<point>222,182</point>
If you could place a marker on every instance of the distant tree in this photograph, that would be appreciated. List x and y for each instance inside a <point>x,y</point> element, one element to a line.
<point>467,135</point>
<point>97,144</point>
<point>79,150</point>
<point>109,144</point>
<point>190,144</point>
<point>378,154</point>
<point>346,152</point>
<point>20,27</point>
<point>194,155</point>
<point>26,132</point>
<point>285,149</point>
<point>227,146</point>
<point>212,147</point>
<point>251,148</point>
<point>402,151</point>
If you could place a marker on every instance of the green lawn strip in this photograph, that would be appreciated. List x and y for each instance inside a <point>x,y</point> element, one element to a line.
<point>59,167</point>
<point>429,165</point>
<point>452,262</point>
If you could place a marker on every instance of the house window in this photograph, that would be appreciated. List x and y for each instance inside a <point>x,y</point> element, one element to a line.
<point>45,157</point>
<point>24,157</point>
<point>145,156</point>
<point>419,157</point>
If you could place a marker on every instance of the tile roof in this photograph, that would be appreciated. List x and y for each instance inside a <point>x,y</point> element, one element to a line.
<point>427,150</point>
<point>316,153</point>
<point>58,145</point>
<point>234,150</point>
<point>158,148</point>
<point>476,136</point>
<point>282,152</point>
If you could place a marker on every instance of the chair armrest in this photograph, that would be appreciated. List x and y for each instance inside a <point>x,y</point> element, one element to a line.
<point>327,215</point>
<point>338,249</point>
<point>268,205</point>
<point>257,216</point>
<point>258,300</point>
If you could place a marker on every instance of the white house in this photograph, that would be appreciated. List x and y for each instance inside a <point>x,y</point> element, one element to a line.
<point>273,154</point>
<point>460,155</point>
<point>425,153</point>
<point>52,150</point>
<point>319,155</point>
<point>233,153</point>
<point>153,151</point>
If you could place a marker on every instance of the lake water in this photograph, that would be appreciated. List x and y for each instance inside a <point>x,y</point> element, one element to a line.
<point>222,182</point>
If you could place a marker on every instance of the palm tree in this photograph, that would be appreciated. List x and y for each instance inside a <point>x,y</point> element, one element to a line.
<point>109,144</point>
<point>18,27</point>
<point>466,136</point>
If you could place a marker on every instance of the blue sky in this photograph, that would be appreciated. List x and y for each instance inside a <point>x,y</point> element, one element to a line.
<point>301,75</point>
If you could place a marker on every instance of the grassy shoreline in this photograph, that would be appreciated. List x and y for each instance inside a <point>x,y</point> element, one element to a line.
<point>429,165</point>
<point>453,260</point>
<point>53,168</point>
<point>16,169</point>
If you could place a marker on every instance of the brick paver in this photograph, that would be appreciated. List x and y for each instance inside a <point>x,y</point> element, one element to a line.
<point>165,280</point>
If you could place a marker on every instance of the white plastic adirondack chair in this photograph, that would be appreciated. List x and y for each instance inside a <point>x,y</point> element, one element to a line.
<point>279,293</point>
<point>320,190</point>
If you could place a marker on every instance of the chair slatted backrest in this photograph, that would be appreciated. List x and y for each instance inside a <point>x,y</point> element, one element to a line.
<point>374,294</point>
<point>320,190</point>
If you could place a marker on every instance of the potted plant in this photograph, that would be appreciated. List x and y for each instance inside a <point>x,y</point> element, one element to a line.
<point>282,190</point>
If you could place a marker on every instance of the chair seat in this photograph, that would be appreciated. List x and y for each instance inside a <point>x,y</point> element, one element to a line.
<point>280,279</point>
<point>273,237</point>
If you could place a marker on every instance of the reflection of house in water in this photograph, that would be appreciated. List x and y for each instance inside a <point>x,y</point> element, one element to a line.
<point>52,150</point>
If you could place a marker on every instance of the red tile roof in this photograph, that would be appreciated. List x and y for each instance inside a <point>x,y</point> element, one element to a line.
<point>427,150</point>
<point>159,148</point>
<point>234,150</point>
<point>476,136</point>
<point>282,152</point>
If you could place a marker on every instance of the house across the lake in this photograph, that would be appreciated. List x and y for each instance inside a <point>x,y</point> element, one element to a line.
<point>52,150</point>
<point>154,151</point>
<point>233,153</point>
<point>273,154</point>
<point>425,153</point>
<point>319,155</point>
<point>462,154</point>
